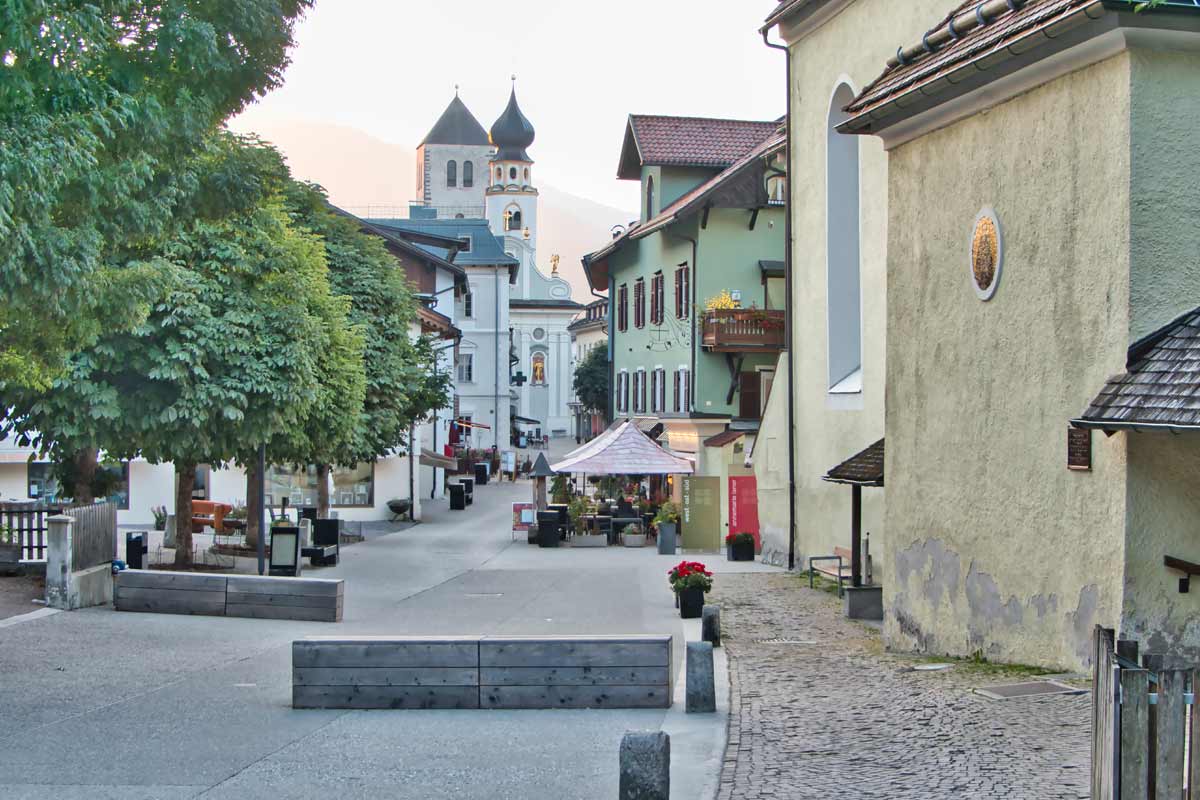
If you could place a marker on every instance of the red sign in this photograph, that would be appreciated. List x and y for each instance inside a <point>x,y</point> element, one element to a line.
<point>743,506</point>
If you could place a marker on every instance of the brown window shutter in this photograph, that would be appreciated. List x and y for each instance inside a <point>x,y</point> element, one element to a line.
<point>675,401</point>
<point>749,405</point>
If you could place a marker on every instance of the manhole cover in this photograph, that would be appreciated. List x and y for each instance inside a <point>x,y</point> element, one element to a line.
<point>781,640</point>
<point>1027,689</point>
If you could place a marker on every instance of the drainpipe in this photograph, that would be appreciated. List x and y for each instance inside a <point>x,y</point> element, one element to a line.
<point>789,328</point>
<point>496,398</point>
<point>412,485</point>
<point>436,358</point>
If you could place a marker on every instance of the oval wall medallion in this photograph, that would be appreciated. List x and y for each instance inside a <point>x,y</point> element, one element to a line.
<point>987,254</point>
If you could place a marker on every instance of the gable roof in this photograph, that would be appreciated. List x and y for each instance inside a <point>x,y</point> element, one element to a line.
<point>486,249</point>
<point>654,140</point>
<point>395,241</point>
<point>864,468</point>
<point>623,450</point>
<point>689,203</point>
<point>1160,387</point>
<point>457,125</point>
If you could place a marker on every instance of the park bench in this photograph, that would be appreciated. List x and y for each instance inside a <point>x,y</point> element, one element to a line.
<point>163,592</point>
<point>841,573</point>
<point>498,672</point>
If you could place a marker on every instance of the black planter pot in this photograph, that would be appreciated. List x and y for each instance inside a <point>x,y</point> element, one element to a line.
<point>740,552</point>
<point>691,603</point>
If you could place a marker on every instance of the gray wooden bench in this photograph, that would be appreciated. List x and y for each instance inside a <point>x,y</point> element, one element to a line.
<point>312,599</point>
<point>482,672</point>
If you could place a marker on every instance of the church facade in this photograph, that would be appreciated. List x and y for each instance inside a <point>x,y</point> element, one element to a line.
<point>520,373</point>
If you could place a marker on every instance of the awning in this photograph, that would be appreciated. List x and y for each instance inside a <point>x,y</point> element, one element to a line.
<point>526,420</point>
<point>861,469</point>
<point>623,450</point>
<point>432,459</point>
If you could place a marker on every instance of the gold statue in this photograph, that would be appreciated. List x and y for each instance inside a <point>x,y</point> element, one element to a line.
<point>554,264</point>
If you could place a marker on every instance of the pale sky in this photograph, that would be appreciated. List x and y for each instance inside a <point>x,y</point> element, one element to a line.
<point>389,67</point>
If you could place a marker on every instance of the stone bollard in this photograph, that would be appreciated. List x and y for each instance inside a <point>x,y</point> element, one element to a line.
<point>306,533</point>
<point>701,683</point>
<point>710,625</point>
<point>59,566</point>
<point>645,766</point>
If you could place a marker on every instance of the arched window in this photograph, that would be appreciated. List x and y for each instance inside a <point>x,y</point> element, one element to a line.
<point>527,175</point>
<point>451,173</point>
<point>843,279</point>
<point>512,173</point>
<point>538,368</point>
<point>468,174</point>
<point>512,219</point>
<point>650,197</point>
<point>499,175</point>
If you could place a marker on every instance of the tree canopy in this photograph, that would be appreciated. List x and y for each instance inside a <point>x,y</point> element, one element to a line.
<point>104,107</point>
<point>591,380</point>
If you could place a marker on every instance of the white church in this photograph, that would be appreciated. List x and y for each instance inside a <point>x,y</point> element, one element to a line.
<point>514,369</point>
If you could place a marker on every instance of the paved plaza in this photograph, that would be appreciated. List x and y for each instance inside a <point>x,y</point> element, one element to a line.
<point>828,714</point>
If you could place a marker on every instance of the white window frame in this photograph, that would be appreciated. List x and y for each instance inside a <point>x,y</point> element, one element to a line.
<point>469,302</point>
<point>465,360</point>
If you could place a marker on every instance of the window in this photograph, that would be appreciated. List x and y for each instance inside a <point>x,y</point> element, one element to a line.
<point>623,307</point>
<point>112,483</point>
<point>527,175</point>
<point>682,299</point>
<point>467,242</point>
<point>512,219</point>
<point>465,366</point>
<point>683,390</point>
<point>352,486</point>
<point>468,174</point>
<point>40,481</point>
<point>843,286</point>
<point>512,173</point>
<point>776,190</point>
<point>623,392</point>
<point>451,174</point>
<point>639,391</point>
<point>499,175</point>
<point>468,304</point>
<point>658,390</point>
<point>639,303</point>
<point>538,368</point>
<point>650,197</point>
<point>657,299</point>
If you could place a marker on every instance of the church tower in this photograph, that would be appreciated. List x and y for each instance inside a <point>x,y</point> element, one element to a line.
<point>511,199</point>
<point>452,164</point>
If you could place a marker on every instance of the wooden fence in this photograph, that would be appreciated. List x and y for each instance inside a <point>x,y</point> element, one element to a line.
<point>94,536</point>
<point>1143,724</point>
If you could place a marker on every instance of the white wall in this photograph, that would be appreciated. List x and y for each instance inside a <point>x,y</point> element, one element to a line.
<point>14,482</point>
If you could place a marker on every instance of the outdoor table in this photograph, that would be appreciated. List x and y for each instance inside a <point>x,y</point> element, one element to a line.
<point>619,524</point>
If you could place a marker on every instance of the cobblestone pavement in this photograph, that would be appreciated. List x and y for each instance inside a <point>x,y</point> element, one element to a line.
<point>842,718</point>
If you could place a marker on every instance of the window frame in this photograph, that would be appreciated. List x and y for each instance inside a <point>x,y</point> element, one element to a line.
<point>464,360</point>
<point>468,298</point>
<point>639,303</point>
<point>452,174</point>
<point>682,287</point>
<point>657,298</point>
<point>468,174</point>
<point>623,307</point>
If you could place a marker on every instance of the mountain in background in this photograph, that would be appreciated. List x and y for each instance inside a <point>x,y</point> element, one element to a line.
<point>369,177</point>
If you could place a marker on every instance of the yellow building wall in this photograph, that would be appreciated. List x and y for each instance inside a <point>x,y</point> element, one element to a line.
<point>994,546</point>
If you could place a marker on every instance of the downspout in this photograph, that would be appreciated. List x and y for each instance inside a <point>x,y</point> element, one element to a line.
<point>789,328</point>
<point>496,398</point>
<point>436,358</point>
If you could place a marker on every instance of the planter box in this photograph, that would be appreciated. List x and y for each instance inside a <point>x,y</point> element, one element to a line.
<point>590,540</point>
<point>10,554</point>
<point>691,603</point>
<point>740,552</point>
<point>634,539</point>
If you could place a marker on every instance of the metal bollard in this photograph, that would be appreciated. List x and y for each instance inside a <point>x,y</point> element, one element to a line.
<point>701,682</point>
<point>645,766</point>
<point>710,625</point>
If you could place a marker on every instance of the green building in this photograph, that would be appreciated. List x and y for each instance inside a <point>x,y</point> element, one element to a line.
<point>696,286</point>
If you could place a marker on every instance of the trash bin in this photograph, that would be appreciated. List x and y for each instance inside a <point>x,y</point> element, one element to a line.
<point>666,538</point>
<point>135,550</point>
<point>468,485</point>
<point>458,497</point>
<point>548,529</point>
<point>481,474</point>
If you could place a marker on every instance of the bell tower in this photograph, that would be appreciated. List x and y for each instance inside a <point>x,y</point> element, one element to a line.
<point>511,198</point>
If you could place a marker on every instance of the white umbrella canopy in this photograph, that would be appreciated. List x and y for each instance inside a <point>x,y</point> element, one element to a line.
<point>623,450</point>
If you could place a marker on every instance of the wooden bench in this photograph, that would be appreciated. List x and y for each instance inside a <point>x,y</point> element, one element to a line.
<point>162,592</point>
<point>840,573</point>
<point>482,672</point>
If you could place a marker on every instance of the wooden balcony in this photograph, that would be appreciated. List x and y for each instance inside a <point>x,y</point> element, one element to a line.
<point>744,330</point>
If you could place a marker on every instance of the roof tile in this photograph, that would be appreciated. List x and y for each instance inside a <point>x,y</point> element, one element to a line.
<point>696,141</point>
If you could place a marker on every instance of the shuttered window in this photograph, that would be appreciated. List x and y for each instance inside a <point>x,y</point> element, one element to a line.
<point>676,395</point>
<point>623,308</point>
<point>682,279</point>
<point>639,303</point>
<point>657,299</point>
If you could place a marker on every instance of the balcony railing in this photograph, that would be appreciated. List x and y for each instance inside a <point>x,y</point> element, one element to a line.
<point>743,330</point>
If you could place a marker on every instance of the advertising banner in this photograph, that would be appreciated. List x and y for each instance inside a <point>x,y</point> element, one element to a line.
<point>743,506</point>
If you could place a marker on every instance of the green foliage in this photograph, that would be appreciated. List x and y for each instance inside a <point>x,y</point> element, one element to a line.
<point>591,380</point>
<point>103,107</point>
<point>577,509</point>
<point>560,489</point>
<point>668,512</point>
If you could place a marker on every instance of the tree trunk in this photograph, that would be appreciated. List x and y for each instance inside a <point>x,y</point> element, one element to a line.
<point>253,511</point>
<point>85,475</point>
<point>185,476</point>
<point>323,491</point>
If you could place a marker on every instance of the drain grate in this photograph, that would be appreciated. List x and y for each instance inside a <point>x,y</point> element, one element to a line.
<point>783,640</point>
<point>1027,689</point>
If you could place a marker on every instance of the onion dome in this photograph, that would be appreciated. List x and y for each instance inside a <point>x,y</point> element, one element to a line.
<point>512,133</point>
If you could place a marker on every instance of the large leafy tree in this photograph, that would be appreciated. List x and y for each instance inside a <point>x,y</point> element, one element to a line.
<point>591,380</point>
<point>402,386</point>
<point>103,107</point>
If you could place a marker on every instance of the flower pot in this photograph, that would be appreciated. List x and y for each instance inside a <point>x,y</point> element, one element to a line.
<point>691,603</point>
<point>740,552</point>
<point>589,540</point>
<point>634,539</point>
<point>666,538</point>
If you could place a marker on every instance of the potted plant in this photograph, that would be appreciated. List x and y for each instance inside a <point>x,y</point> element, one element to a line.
<point>634,536</point>
<point>690,580</point>
<point>160,517</point>
<point>666,522</point>
<point>560,490</point>
<point>740,546</point>
<point>10,547</point>
<point>577,511</point>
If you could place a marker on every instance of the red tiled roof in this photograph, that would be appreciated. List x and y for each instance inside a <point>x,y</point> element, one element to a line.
<point>724,438</point>
<point>864,468</point>
<point>1001,31</point>
<point>695,141</point>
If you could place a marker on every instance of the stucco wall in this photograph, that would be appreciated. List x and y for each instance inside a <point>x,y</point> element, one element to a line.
<point>853,45</point>
<point>14,481</point>
<point>994,546</point>
<point>770,459</point>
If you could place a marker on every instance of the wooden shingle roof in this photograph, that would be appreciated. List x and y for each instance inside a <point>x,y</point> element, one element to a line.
<point>1161,384</point>
<point>864,468</point>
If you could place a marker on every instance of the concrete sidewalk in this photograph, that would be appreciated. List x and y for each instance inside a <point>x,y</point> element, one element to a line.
<point>99,704</point>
